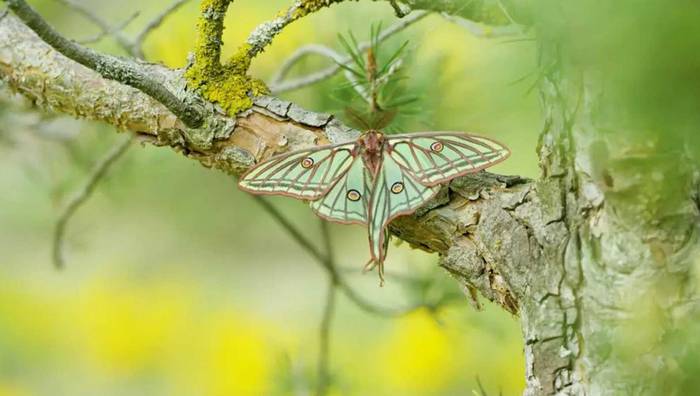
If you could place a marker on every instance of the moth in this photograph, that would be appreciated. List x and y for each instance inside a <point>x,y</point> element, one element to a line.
<point>374,179</point>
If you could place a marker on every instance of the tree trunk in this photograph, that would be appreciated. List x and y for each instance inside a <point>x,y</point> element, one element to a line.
<point>613,280</point>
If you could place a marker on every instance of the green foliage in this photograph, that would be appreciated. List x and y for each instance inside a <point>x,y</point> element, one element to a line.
<point>376,93</point>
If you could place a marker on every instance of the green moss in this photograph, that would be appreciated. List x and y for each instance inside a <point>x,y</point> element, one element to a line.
<point>228,85</point>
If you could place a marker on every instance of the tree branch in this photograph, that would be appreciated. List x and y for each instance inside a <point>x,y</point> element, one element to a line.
<point>485,227</point>
<point>109,67</point>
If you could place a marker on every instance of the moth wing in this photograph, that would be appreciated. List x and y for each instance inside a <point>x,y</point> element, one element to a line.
<point>436,157</point>
<point>348,200</point>
<point>304,174</point>
<point>395,193</point>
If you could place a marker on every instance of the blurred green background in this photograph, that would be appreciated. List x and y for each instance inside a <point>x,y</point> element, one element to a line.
<point>177,283</point>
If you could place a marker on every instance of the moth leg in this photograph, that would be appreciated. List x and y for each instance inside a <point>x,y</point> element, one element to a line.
<point>371,264</point>
<point>380,271</point>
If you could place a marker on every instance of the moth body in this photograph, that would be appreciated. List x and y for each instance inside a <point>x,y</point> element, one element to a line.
<point>371,146</point>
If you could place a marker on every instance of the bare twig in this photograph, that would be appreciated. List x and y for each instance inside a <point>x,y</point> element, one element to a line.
<point>324,341</point>
<point>330,256</point>
<point>482,391</point>
<point>279,86</point>
<point>114,31</point>
<point>484,31</point>
<point>264,33</point>
<point>110,67</point>
<point>299,54</point>
<point>326,52</point>
<point>289,227</point>
<point>81,195</point>
<point>333,272</point>
<point>106,28</point>
<point>398,10</point>
<point>137,44</point>
<point>328,313</point>
<point>132,46</point>
<point>506,12</point>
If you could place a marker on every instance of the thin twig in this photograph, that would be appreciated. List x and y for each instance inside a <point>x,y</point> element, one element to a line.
<point>81,195</point>
<point>325,340</point>
<point>264,33</point>
<point>328,313</point>
<point>330,71</point>
<point>110,67</point>
<point>106,29</point>
<point>484,31</point>
<point>289,227</point>
<point>400,13</point>
<point>506,12</point>
<point>326,52</point>
<point>299,54</point>
<point>482,391</point>
<point>330,255</point>
<point>347,290</point>
<point>133,47</point>
<point>137,44</point>
<point>114,32</point>
<point>375,309</point>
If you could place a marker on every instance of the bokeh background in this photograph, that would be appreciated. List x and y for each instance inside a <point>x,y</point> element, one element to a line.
<point>177,283</point>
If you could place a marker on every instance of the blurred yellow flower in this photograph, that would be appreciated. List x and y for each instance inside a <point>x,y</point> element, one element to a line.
<point>12,390</point>
<point>26,317</point>
<point>126,328</point>
<point>456,49</point>
<point>417,356</point>
<point>239,358</point>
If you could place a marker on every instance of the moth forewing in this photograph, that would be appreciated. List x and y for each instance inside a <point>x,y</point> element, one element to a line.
<point>433,158</point>
<point>303,174</point>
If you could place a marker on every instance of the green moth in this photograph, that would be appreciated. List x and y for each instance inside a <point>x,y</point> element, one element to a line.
<point>375,178</point>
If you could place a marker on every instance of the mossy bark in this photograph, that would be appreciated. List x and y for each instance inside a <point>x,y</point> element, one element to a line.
<point>617,252</point>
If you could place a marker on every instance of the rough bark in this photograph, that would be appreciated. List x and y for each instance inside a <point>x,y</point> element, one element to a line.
<point>55,83</point>
<point>620,234</point>
<point>570,253</point>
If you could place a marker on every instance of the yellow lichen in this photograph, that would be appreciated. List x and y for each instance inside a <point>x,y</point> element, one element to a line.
<point>307,7</point>
<point>228,85</point>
